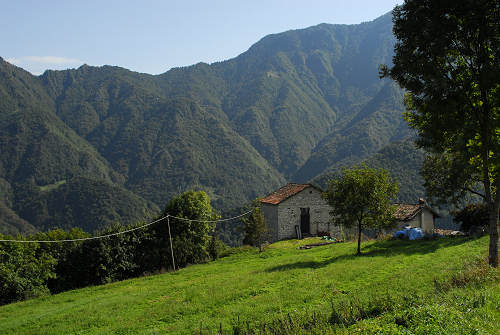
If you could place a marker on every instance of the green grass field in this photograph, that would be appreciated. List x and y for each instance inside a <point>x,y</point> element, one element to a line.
<point>421,287</point>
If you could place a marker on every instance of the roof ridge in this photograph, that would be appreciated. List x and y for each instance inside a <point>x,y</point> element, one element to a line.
<point>284,193</point>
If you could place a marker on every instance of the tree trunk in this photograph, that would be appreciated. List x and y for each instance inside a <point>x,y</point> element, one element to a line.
<point>492,199</point>
<point>493,209</point>
<point>493,225</point>
<point>359,238</point>
<point>493,202</point>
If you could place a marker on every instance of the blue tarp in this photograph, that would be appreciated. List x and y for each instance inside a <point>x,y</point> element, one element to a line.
<point>411,233</point>
<point>415,234</point>
<point>400,233</point>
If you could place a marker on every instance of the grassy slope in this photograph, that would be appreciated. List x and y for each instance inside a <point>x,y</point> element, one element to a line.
<point>248,285</point>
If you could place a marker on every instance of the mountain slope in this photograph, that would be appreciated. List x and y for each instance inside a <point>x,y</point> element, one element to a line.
<point>81,202</point>
<point>158,144</point>
<point>377,124</point>
<point>294,106</point>
<point>402,159</point>
<point>39,150</point>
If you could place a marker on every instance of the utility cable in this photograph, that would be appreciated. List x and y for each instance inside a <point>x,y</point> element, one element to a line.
<point>86,238</point>
<point>220,220</point>
<point>125,231</point>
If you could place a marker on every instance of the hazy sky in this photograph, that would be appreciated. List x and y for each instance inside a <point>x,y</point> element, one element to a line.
<point>153,36</point>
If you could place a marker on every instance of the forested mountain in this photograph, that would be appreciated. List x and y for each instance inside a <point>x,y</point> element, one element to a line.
<point>295,106</point>
<point>402,159</point>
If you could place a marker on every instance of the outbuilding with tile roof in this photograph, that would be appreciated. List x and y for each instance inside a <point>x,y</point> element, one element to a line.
<point>297,210</point>
<point>416,215</point>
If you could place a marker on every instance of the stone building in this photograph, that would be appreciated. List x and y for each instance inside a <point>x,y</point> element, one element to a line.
<point>297,210</point>
<point>418,215</point>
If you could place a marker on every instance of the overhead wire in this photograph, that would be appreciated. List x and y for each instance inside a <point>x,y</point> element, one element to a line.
<point>220,220</point>
<point>125,231</point>
<point>86,238</point>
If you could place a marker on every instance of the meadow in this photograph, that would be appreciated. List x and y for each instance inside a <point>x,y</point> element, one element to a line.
<point>438,286</point>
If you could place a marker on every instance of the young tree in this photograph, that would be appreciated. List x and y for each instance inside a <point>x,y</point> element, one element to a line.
<point>255,228</point>
<point>362,196</point>
<point>448,59</point>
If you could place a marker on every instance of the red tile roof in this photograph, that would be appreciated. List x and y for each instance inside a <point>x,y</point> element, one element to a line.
<point>284,193</point>
<point>406,212</point>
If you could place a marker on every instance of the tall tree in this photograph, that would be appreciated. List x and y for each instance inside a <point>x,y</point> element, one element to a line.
<point>191,232</point>
<point>448,59</point>
<point>362,196</point>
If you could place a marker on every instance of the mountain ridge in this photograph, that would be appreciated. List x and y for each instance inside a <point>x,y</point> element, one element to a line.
<point>295,105</point>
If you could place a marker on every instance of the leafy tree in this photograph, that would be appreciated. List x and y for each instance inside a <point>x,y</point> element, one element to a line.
<point>191,235</point>
<point>24,271</point>
<point>449,179</point>
<point>68,268</point>
<point>362,196</point>
<point>447,57</point>
<point>100,261</point>
<point>255,228</point>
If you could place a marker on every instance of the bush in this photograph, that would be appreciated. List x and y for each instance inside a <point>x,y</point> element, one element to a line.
<point>216,247</point>
<point>24,271</point>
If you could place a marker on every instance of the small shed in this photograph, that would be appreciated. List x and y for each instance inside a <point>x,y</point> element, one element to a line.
<point>297,210</point>
<point>416,215</point>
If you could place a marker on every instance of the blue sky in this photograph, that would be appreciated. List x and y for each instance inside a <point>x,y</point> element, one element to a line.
<point>153,36</point>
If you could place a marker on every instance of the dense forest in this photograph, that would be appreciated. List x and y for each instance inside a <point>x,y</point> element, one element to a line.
<point>92,146</point>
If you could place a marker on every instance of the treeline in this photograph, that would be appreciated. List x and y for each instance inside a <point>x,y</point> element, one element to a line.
<point>35,269</point>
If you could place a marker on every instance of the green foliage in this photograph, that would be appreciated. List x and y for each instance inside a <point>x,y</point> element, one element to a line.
<point>81,202</point>
<point>68,268</point>
<point>24,271</point>
<point>11,223</point>
<point>36,268</point>
<point>255,228</point>
<point>362,196</point>
<point>360,134</point>
<point>32,269</point>
<point>449,179</point>
<point>402,161</point>
<point>446,58</point>
<point>191,239</point>
<point>216,247</point>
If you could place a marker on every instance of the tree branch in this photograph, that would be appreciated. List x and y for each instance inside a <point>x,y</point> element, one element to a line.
<point>474,192</point>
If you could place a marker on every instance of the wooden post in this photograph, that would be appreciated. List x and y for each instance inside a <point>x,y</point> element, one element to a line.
<point>171,246</point>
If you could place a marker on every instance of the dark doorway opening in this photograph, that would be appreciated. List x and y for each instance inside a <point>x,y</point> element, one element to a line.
<point>305,220</point>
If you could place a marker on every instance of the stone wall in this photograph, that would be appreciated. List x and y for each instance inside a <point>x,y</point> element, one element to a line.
<point>270,213</point>
<point>319,211</point>
<point>423,220</point>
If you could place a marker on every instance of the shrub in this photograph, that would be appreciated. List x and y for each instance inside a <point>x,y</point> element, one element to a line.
<point>24,271</point>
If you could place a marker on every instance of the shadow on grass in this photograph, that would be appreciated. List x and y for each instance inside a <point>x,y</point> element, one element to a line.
<point>382,248</point>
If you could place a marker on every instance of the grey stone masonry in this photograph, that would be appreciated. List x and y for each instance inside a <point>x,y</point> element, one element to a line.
<point>282,218</point>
